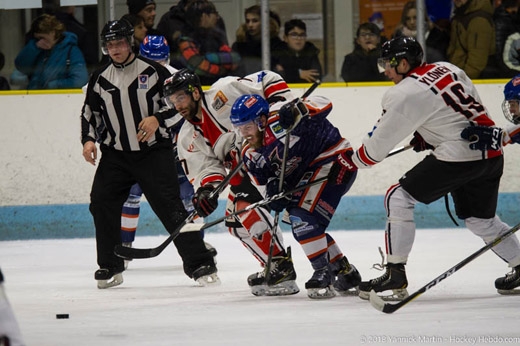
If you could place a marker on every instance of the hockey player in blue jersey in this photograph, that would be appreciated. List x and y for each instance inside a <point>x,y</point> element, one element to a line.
<point>314,146</point>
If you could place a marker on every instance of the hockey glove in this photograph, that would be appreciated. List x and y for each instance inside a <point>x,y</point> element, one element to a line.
<point>419,144</point>
<point>272,188</point>
<point>202,202</point>
<point>290,112</point>
<point>483,137</point>
<point>342,169</point>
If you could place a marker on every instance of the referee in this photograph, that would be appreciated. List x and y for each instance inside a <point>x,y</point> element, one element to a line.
<point>122,112</point>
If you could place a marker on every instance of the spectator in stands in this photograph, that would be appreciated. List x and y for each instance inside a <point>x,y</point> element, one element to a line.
<point>87,42</point>
<point>4,84</point>
<point>472,38</point>
<point>361,64</point>
<point>507,23</point>
<point>436,38</point>
<point>249,40</point>
<point>173,22</point>
<point>140,30</point>
<point>201,47</point>
<point>146,10</point>
<point>299,62</point>
<point>51,59</point>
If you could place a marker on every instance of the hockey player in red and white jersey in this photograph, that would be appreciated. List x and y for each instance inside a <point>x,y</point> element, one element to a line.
<point>206,143</point>
<point>435,102</point>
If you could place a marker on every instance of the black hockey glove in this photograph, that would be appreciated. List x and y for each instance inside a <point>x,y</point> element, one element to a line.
<point>272,188</point>
<point>342,169</point>
<point>203,203</point>
<point>483,137</point>
<point>419,144</point>
<point>290,112</point>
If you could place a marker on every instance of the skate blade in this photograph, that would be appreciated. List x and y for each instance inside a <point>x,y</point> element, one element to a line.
<point>285,288</point>
<point>509,292</point>
<point>115,280</point>
<point>209,280</point>
<point>396,296</point>
<point>353,292</point>
<point>321,293</point>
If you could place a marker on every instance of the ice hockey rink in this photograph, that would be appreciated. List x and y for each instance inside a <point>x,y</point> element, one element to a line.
<point>158,305</point>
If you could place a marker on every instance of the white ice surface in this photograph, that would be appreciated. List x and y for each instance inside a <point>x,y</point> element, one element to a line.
<point>158,305</point>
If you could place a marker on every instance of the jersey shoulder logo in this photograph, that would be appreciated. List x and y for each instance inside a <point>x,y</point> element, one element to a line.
<point>219,100</point>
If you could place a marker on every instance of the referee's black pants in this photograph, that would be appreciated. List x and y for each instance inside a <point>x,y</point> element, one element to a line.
<point>155,171</point>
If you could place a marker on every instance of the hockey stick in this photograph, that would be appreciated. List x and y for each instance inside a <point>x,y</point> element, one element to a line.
<point>399,150</point>
<point>388,308</point>
<point>280,187</point>
<point>128,252</point>
<point>282,195</point>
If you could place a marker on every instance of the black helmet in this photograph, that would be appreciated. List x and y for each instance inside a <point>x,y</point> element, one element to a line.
<point>399,48</point>
<point>181,80</point>
<point>116,30</point>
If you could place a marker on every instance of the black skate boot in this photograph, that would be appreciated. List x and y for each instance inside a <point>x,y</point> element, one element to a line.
<point>206,274</point>
<point>394,279</point>
<point>509,283</point>
<point>319,285</point>
<point>282,278</point>
<point>107,278</point>
<point>347,278</point>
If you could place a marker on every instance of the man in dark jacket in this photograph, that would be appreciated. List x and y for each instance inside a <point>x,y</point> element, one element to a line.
<point>298,62</point>
<point>361,64</point>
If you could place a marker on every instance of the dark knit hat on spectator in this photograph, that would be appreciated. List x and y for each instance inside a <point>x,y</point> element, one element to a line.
<point>135,6</point>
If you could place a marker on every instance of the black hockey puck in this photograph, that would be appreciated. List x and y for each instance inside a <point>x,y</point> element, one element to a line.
<point>62,316</point>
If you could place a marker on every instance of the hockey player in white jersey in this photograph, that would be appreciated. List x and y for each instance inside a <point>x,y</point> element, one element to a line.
<point>435,102</point>
<point>207,144</point>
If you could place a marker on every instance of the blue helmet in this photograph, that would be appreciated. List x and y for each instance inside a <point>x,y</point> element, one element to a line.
<point>248,108</point>
<point>155,48</point>
<point>512,93</point>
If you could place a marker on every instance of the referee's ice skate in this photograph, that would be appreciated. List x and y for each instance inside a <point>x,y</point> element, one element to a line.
<point>206,275</point>
<point>107,278</point>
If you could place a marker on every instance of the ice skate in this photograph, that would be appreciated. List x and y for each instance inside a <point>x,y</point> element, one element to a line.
<point>393,279</point>
<point>206,275</point>
<point>319,285</point>
<point>127,260</point>
<point>107,278</point>
<point>282,278</point>
<point>347,279</point>
<point>510,283</point>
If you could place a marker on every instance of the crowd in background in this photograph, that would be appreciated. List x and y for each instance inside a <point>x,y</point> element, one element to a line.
<point>480,36</point>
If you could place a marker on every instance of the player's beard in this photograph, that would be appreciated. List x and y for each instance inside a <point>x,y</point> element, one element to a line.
<point>257,140</point>
<point>191,112</point>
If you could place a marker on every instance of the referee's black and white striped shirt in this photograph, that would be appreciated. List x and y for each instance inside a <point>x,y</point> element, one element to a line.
<point>118,98</point>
